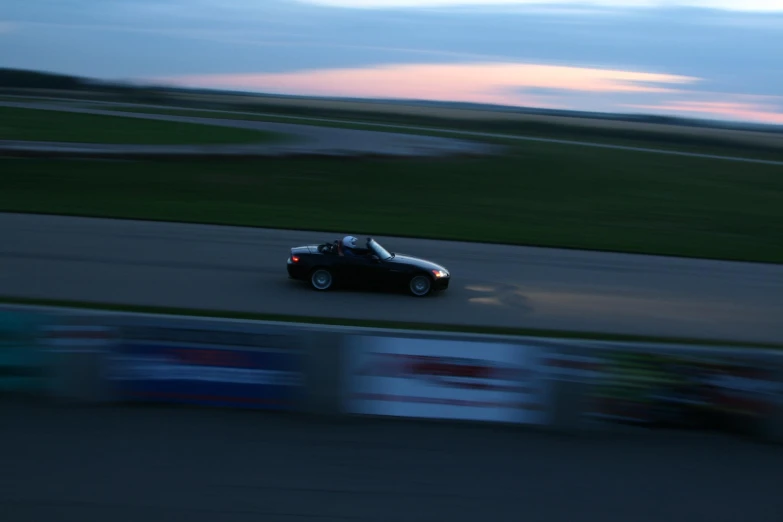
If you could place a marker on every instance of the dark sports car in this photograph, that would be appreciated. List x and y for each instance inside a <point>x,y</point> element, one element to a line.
<point>324,266</point>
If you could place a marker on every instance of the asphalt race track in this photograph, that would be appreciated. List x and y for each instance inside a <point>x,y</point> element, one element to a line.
<point>336,140</point>
<point>124,464</point>
<point>308,139</point>
<point>227,268</point>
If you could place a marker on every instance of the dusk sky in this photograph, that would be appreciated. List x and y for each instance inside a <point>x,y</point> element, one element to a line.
<point>701,58</point>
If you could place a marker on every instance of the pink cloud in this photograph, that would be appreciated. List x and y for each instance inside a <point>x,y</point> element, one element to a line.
<point>760,113</point>
<point>500,83</point>
<point>504,84</point>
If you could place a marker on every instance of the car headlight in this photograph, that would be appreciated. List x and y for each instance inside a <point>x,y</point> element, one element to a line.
<point>440,273</point>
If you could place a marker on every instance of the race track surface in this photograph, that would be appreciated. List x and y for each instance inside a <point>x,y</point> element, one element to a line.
<point>307,139</point>
<point>228,268</point>
<point>123,464</point>
<point>332,140</point>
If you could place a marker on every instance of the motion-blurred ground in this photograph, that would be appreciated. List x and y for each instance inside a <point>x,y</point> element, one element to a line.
<point>164,464</point>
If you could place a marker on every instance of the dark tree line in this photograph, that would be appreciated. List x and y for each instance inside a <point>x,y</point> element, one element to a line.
<point>15,80</point>
<point>25,79</point>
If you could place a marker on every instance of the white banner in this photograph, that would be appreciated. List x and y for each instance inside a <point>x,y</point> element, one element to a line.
<point>446,379</point>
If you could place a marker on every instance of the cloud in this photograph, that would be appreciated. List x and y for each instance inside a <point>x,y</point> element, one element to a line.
<point>724,110</point>
<point>731,5</point>
<point>8,27</point>
<point>497,83</point>
<point>570,54</point>
<point>514,84</point>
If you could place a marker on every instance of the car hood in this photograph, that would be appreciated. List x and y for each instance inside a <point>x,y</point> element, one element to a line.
<point>403,259</point>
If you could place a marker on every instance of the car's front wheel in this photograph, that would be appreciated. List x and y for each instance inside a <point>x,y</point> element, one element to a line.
<point>420,285</point>
<point>321,279</point>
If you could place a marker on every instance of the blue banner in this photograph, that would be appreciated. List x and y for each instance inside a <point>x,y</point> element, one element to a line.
<point>262,378</point>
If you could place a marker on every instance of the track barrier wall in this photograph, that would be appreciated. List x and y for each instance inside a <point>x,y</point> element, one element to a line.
<point>22,351</point>
<point>95,357</point>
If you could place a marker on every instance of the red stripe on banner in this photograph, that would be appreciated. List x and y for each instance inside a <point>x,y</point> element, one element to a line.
<point>447,402</point>
<point>742,405</point>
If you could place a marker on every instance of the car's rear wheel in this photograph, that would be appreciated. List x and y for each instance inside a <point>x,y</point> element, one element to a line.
<point>321,279</point>
<point>420,285</point>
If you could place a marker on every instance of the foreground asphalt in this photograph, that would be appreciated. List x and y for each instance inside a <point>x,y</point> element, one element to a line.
<point>124,464</point>
<point>243,269</point>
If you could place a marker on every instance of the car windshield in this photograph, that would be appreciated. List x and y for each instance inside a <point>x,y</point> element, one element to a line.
<point>379,250</point>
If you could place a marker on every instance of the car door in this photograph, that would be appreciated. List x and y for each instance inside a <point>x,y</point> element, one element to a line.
<point>380,273</point>
<point>354,271</point>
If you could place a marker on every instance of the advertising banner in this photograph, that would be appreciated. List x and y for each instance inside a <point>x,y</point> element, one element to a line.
<point>449,379</point>
<point>21,353</point>
<point>701,391</point>
<point>207,367</point>
<point>77,357</point>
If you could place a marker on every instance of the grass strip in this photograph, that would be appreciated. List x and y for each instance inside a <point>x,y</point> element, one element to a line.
<point>52,125</point>
<point>590,199</point>
<point>394,325</point>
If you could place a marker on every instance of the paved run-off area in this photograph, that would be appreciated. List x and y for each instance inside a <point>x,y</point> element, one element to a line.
<point>127,464</point>
<point>243,269</point>
<point>299,139</point>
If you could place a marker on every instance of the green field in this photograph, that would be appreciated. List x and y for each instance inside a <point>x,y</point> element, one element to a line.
<point>697,143</point>
<point>539,195</point>
<point>51,125</point>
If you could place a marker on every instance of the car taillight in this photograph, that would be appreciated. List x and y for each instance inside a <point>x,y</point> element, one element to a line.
<point>295,259</point>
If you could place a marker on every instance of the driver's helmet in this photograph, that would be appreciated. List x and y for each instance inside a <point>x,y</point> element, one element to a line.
<point>350,241</point>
